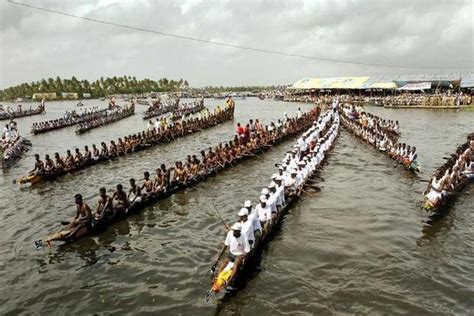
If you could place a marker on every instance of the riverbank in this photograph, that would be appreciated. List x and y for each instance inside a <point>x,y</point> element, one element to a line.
<point>428,107</point>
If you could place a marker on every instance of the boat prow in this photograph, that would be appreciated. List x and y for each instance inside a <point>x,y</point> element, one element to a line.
<point>33,179</point>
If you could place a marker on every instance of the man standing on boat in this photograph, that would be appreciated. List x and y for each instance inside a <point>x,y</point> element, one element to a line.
<point>247,226</point>
<point>238,247</point>
<point>253,217</point>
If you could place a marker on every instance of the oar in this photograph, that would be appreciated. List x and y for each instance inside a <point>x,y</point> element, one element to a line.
<point>220,217</point>
<point>308,193</point>
<point>213,268</point>
<point>317,189</point>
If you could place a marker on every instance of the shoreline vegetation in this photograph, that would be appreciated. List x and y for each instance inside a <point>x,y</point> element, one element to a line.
<point>67,89</point>
<point>58,89</point>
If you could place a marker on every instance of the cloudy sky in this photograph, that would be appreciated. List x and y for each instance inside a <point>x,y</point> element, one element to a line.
<point>35,44</point>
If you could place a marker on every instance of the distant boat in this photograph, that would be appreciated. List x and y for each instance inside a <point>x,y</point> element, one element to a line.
<point>239,97</point>
<point>102,99</point>
<point>80,104</point>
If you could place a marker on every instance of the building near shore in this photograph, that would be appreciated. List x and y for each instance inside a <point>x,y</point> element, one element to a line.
<point>422,91</point>
<point>46,95</point>
<point>69,95</point>
<point>385,84</point>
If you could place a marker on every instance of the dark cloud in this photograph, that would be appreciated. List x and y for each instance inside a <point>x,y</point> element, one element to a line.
<point>36,44</point>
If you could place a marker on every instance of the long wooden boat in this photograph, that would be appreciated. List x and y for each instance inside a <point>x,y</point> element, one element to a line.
<point>8,157</point>
<point>222,282</point>
<point>446,200</point>
<point>6,116</point>
<point>438,209</point>
<point>345,122</point>
<point>143,102</point>
<point>157,112</point>
<point>76,119</point>
<point>179,114</point>
<point>112,118</point>
<point>97,228</point>
<point>38,178</point>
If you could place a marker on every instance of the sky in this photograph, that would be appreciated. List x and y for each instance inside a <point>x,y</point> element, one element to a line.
<point>35,44</point>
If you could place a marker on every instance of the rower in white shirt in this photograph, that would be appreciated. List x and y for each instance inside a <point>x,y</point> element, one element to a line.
<point>264,213</point>
<point>299,114</point>
<point>271,201</point>
<point>280,189</point>
<point>301,144</point>
<point>238,247</point>
<point>253,217</point>
<point>283,174</point>
<point>247,226</point>
<point>157,124</point>
<point>275,196</point>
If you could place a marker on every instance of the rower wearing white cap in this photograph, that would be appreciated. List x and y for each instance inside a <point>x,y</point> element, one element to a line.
<point>292,188</point>
<point>264,213</point>
<point>282,172</point>
<point>293,159</point>
<point>280,190</point>
<point>319,154</point>
<point>301,144</point>
<point>247,227</point>
<point>271,201</point>
<point>302,171</point>
<point>299,176</point>
<point>253,217</point>
<point>238,247</point>
<point>312,161</point>
<point>274,196</point>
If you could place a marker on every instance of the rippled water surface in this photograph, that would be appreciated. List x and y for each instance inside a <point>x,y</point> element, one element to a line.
<point>358,246</point>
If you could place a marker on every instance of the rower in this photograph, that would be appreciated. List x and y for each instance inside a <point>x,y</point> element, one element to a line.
<point>238,248</point>
<point>283,174</point>
<point>49,164</point>
<point>247,226</point>
<point>292,188</point>
<point>468,168</point>
<point>79,226</point>
<point>179,174</point>
<point>412,156</point>
<point>264,214</point>
<point>166,176</point>
<point>95,152</point>
<point>271,201</point>
<point>147,184</point>
<point>104,152</point>
<point>69,159</point>
<point>120,200</point>
<point>87,153</point>
<point>253,217</point>
<point>78,156</point>
<point>275,196</point>
<point>104,206</point>
<point>59,163</point>
<point>134,194</point>
<point>39,166</point>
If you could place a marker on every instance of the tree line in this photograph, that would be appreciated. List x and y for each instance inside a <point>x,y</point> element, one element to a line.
<point>102,87</point>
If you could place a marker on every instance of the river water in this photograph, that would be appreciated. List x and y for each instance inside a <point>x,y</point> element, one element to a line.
<point>359,246</point>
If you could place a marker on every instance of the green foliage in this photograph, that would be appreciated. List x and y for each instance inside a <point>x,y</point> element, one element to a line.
<point>99,88</point>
